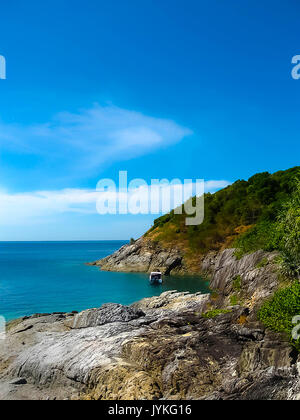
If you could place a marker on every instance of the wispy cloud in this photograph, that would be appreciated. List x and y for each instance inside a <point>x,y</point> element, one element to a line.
<point>82,142</point>
<point>17,209</point>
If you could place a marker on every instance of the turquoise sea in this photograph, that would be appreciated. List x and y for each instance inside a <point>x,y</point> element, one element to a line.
<point>38,277</point>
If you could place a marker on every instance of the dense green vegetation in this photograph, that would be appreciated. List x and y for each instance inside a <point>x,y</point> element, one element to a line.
<point>278,312</point>
<point>245,214</point>
<point>288,232</point>
<point>280,232</point>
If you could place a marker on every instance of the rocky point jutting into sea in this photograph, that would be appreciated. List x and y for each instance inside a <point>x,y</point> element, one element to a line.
<point>175,346</point>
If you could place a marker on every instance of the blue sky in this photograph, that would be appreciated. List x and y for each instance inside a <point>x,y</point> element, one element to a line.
<point>160,88</point>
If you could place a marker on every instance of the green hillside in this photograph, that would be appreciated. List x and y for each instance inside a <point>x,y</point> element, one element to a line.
<point>261,213</point>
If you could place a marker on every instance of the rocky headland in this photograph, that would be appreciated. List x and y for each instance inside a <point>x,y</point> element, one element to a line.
<point>144,256</point>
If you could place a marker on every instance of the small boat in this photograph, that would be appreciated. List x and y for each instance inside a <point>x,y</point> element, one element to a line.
<point>156,277</point>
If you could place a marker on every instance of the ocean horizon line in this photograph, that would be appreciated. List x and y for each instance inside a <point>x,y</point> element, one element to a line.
<point>68,240</point>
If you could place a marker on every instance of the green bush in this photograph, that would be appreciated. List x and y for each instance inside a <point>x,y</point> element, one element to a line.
<point>278,312</point>
<point>215,312</point>
<point>264,236</point>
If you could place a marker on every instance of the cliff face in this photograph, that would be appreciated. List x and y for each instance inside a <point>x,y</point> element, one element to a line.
<point>246,281</point>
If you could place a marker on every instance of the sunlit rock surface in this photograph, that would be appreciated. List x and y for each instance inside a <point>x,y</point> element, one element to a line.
<point>160,347</point>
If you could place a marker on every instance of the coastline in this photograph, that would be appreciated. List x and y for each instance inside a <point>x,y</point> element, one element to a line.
<point>173,346</point>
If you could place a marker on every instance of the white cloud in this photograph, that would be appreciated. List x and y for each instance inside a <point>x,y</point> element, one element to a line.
<point>81,142</point>
<point>17,209</point>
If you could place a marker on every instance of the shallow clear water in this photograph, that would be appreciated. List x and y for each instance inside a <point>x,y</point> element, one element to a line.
<point>52,277</point>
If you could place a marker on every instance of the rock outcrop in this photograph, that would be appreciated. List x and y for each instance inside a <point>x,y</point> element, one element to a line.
<point>143,256</point>
<point>248,280</point>
<point>86,355</point>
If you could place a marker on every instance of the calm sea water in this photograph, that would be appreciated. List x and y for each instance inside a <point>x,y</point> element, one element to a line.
<point>52,277</point>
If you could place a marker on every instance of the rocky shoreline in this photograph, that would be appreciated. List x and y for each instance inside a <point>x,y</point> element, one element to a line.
<point>175,346</point>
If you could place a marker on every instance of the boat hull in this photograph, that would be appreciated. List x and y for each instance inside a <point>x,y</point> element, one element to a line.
<point>156,281</point>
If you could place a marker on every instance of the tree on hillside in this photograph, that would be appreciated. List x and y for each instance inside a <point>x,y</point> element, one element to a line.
<point>289,228</point>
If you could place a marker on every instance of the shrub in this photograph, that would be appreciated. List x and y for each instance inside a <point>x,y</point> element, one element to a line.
<point>277,313</point>
<point>215,312</point>
<point>264,236</point>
